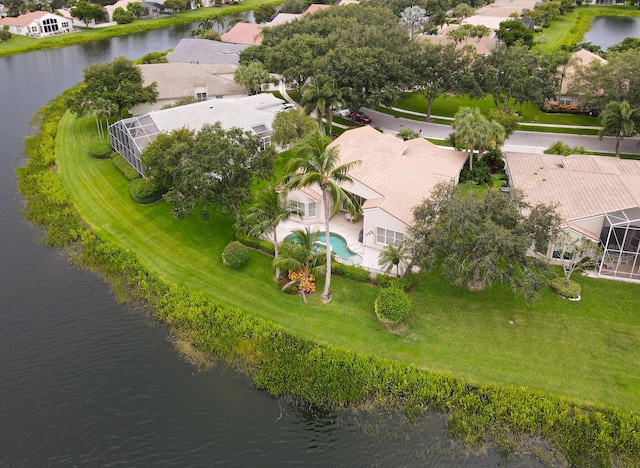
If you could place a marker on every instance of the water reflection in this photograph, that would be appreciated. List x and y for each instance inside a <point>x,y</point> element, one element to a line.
<point>609,30</point>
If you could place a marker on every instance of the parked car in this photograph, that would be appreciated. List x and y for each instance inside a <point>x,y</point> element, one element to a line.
<point>361,117</point>
<point>344,113</point>
<point>288,106</point>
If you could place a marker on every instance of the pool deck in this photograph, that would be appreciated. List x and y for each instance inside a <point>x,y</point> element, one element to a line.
<point>347,229</point>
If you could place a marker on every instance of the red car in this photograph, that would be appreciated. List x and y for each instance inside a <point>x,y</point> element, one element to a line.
<point>361,117</point>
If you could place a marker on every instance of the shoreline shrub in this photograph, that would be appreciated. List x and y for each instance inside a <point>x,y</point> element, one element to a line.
<point>235,255</point>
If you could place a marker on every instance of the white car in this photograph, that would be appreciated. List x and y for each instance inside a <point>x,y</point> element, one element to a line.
<point>287,106</point>
<point>344,113</point>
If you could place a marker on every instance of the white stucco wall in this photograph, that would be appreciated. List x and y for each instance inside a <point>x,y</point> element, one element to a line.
<point>374,218</point>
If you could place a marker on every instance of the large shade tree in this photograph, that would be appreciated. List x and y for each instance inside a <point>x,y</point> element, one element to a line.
<point>119,82</point>
<point>317,165</point>
<point>270,209</point>
<point>619,120</point>
<point>213,167</point>
<point>476,238</point>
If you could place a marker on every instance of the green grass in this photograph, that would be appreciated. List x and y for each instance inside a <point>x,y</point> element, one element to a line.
<point>570,28</point>
<point>586,351</point>
<point>20,44</point>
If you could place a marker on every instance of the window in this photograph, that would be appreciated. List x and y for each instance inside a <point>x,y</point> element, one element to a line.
<point>201,96</point>
<point>50,25</point>
<point>387,236</point>
<point>312,210</point>
<point>298,206</point>
<point>565,102</point>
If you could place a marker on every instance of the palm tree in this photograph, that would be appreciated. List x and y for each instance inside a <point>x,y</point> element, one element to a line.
<point>317,165</point>
<point>475,132</point>
<point>252,76</point>
<point>270,209</point>
<point>393,255</point>
<point>323,95</point>
<point>301,257</point>
<point>620,120</point>
<point>481,31</point>
<point>413,16</point>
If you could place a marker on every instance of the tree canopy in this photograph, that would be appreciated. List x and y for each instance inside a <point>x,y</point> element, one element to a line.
<point>87,12</point>
<point>118,83</point>
<point>514,31</point>
<point>476,238</point>
<point>213,166</point>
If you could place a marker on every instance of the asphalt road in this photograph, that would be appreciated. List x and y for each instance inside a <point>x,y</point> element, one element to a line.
<point>522,141</point>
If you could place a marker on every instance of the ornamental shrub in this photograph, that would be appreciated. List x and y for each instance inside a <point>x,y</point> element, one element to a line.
<point>235,255</point>
<point>351,272</point>
<point>571,292</point>
<point>100,149</point>
<point>392,305</point>
<point>145,191</point>
<point>123,166</point>
<point>255,242</point>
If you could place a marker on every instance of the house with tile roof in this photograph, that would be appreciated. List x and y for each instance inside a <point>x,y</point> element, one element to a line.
<point>179,80</point>
<point>37,24</point>
<point>244,33</point>
<point>392,178</point>
<point>581,58</point>
<point>254,113</point>
<point>206,52</point>
<point>598,198</point>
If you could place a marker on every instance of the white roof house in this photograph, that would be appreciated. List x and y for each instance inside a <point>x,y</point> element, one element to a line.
<point>597,196</point>
<point>177,80</point>
<point>37,24</point>
<point>204,51</point>
<point>393,177</point>
<point>255,113</point>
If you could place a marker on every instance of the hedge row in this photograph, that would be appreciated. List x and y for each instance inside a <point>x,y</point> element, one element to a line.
<point>283,363</point>
<point>144,191</point>
<point>123,166</point>
<point>255,243</point>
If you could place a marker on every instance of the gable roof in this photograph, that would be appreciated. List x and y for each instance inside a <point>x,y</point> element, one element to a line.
<point>244,33</point>
<point>315,7</point>
<point>176,80</point>
<point>582,186</point>
<point>26,19</point>
<point>402,172</point>
<point>204,51</point>
<point>581,58</point>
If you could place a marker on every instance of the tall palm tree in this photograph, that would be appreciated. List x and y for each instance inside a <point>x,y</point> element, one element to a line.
<point>323,95</point>
<point>252,76</point>
<point>317,165</point>
<point>618,119</point>
<point>270,210</point>
<point>393,255</point>
<point>301,256</point>
<point>414,17</point>
<point>475,132</point>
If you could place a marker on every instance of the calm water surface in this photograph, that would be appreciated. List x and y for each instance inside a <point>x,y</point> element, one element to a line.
<point>84,381</point>
<point>609,30</point>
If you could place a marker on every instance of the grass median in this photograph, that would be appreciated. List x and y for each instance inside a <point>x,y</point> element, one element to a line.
<point>585,351</point>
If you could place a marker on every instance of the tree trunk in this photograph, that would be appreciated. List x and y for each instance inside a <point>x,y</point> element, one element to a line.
<point>275,251</point>
<point>429,103</point>
<point>619,144</point>
<point>471,160</point>
<point>326,294</point>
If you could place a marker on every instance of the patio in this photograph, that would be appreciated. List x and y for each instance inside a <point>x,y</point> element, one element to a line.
<point>345,228</point>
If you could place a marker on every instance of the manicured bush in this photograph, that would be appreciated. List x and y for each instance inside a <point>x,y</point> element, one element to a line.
<point>572,291</point>
<point>255,242</point>
<point>480,173</point>
<point>392,305</point>
<point>351,272</point>
<point>100,149</point>
<point>144,191</point>
<point>406,284</point>
<point>129,172</point>
<point>235,255</point>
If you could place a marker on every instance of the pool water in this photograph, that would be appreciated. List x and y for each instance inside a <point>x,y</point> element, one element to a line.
<point>338,247</point>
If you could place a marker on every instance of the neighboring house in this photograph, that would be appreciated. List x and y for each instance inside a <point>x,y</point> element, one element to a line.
<point>4,11</point>
<point>483,46</point>
<point>393,177</point>
<point>204,51</point>
<point>255,113</point>
<point>598,197</point>
<point>315,7</point>
<point>37,24</point>
<point>178,80</point>
<point>244,33</point>
<point>493,14</point>
<point>581,58</point>
<point>283,18</point>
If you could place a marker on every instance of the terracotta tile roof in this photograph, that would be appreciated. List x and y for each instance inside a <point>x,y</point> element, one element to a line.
<point>180,79</point>
<point>583,186</point>
<point>23,20</point>
<point>244,33</point>
<point>402,172</point>
<point>315,7</point>
<point>581,58</point>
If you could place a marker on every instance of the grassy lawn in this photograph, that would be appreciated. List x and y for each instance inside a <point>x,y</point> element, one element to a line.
<point>19,44</point>
<point>447,106</point>
<point>586,351</point>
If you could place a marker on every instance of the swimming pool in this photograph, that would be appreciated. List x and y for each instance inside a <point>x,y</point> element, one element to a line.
<point>338,247</point>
